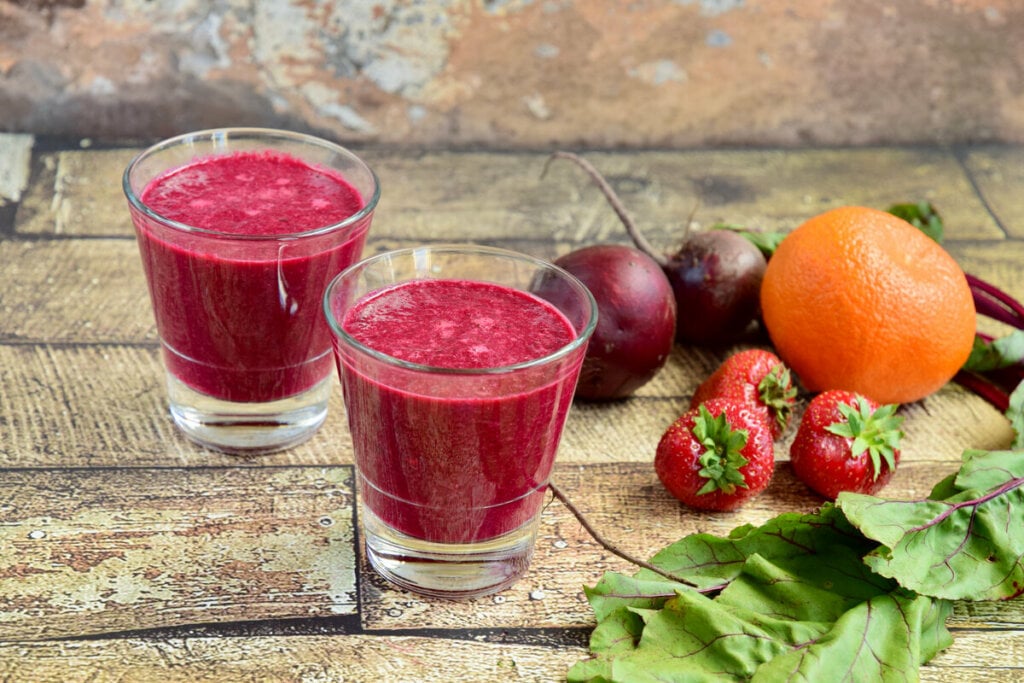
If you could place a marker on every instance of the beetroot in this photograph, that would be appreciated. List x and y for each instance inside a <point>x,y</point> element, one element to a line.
<point>636,319</point>
<point>715,275</point>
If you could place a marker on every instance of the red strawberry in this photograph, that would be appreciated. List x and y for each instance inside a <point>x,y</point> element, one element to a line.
<point>716,456</point>
<point>756,376</point>
<point>846,442</point>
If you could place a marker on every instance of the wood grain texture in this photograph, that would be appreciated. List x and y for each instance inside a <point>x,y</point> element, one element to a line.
<point>370,659</point>
<point>486,196</point>
<point>90,291</point>
<point>94,551</point>
<point>140,556</point>
<point>77,192</point>
<point>998,174</point>
<point>94,405</point>
<point>353,659</point>
<point>98,405</point>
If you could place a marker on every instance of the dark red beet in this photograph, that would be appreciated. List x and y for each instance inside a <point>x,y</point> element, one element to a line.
<point>636,319</point>
<point>716,277</point>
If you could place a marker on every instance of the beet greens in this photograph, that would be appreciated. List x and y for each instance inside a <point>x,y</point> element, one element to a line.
<point>858,589</point>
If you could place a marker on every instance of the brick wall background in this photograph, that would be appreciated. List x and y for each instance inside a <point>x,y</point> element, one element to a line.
<point>520,73</point>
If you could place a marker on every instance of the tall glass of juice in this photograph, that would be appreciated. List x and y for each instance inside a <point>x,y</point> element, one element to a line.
<point>458,365</point>
<point>239,231</point>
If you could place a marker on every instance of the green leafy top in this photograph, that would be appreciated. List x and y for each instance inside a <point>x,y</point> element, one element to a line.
<point>1015,414</point>
<point>966,542</point>
<point>766,241</point>
<point>876,432</point>
<point>1001,352</point>
<point>814,597</point>
<point>721,461</point>
<point>777,392</point>
<point>923,216</point>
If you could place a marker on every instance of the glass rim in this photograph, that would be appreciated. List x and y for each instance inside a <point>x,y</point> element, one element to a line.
<point>579,340</point>
<point>212,134</point>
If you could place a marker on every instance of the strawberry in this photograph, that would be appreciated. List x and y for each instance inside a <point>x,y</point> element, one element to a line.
<point>846,442</point>
<point>716,456</point>
<point>758,377</point>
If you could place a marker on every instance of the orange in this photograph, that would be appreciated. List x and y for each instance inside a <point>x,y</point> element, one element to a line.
<point>858,299</point>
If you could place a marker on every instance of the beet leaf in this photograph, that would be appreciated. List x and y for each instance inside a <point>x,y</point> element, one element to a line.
<point>708,561</point>
<point>801,603</point>
<point>1015,413</point>
<point>882,639</point>
<point>922,216</point>
<point>814,612</point>
<point>859,589</point>
<point>993,354</point>
<point>968,545</point>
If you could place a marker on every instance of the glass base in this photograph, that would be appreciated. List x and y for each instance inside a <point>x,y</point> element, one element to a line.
<point>456,571</point>
<point>248,428</point>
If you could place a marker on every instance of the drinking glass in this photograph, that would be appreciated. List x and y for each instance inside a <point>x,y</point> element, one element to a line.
<point>453,462</point>
<point>246,351</point>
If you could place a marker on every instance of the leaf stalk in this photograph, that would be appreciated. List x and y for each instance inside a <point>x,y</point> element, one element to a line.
<point>613,549</point>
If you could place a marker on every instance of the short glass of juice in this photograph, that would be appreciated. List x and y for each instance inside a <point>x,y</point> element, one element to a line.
<point>458,365</point>
<point>239,231</point>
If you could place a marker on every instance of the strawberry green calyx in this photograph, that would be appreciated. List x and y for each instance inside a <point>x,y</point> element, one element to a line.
<point>777,393</point>
<point>876,432</point>
<point>721,462</point>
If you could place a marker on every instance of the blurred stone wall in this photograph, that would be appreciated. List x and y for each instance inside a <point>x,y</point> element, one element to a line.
<point>520,73</point>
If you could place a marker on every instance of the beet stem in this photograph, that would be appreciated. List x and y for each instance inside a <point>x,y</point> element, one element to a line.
<point>613,199</point>
<point>1006,378</point>
<point>1001,298</point>
<point>991,309</point>
<point>557,492</point>
<point>984,389</point>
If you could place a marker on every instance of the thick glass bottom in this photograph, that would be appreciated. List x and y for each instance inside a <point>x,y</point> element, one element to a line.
<point>248,428</point>
<point>456,571</point>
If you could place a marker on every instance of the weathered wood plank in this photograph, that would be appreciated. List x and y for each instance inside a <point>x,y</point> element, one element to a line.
<point>401,659</point>
<point>1002,669</point>
<point>89,406</point>
<point>776,189</point>
<point>74,291</point>
<point>83,291</point>
<point>353,659</point>
<point>105,550</point>
<point>998,174</point>
<point>1002,264</point>
<point>97,405</point>
<point>490,196</point>
<point>98,551</point>
<point>77,192</point>
<point>999,651</point>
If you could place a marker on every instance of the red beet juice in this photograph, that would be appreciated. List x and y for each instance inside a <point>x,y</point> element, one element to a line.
<point>236,293</point>
<point>456,455</point>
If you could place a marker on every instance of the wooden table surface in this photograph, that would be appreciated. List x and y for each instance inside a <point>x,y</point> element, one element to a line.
<point>129,554</point>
